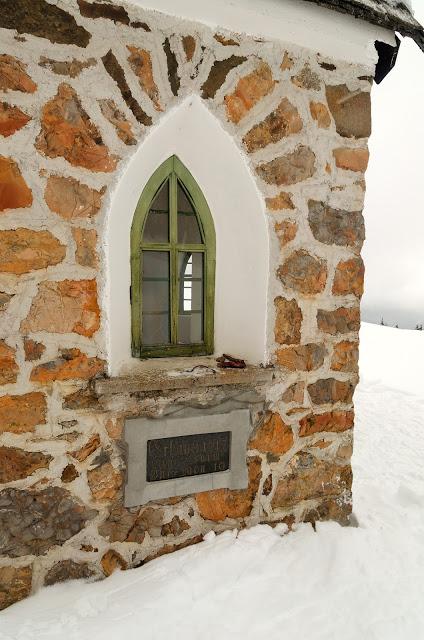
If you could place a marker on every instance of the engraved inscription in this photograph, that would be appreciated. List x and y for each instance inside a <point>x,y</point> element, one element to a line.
<point>183,456</point>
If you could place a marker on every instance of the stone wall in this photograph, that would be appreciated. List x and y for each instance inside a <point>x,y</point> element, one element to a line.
<point>81,85</point>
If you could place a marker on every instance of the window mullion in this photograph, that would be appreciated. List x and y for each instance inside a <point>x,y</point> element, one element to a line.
<point>173,231</point>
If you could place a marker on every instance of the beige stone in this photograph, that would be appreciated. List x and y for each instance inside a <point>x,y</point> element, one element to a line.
<point>15,584</point>
<point>330,390</point>
<point>305,357</point>
<point>67,570</point>
<point>111,561</point>
<point>14,191</point>
<point>294,393</point>
<point>280,123</point>
<point>16,464</point>
<point>249,90</point>
<point>282,201</point>
<point>351,159</point>
<point>104,481</point>
<point>13,76</point>
<point>320,114</point>
<point>86,241</point>
<point>118,120</point>
<point>292,168</point>
<point>286,231</point>
<point>336,226</point>
<point>33,350</point>
<point>141,63</point>
<point>19,414</point>
<point>351,111</point>
<point>341,320</point>
<point>71,199</point>
<point>288,321</point>
<point>307,79</point>
<point>64,307</point>
<point>25,250</point>
<point>304,273</point>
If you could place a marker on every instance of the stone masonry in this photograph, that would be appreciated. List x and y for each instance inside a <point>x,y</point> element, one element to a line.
<point>81,85</point>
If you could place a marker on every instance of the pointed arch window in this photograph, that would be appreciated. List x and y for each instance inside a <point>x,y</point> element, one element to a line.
<point>172,266</point>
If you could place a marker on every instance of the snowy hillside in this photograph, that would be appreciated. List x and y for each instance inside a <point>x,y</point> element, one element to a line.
<point>364,583</point>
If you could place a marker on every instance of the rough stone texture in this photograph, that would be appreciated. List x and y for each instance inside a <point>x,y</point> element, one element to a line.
<point>67,131</point>
<point>345,356</point>
<point>189,46</point>
<point>294,393</point>
<point>33,350</point>
<point>320,114</point>
<point>175,527</point>
<point>16,464</point>
<point>218,74</point>
<point>351,111</point>
<point>13,76</point>
<point>304,273</point>
<point>124,525</point>
<point>341,320</point>
<point>15,584</point>
<point>308,478</point>
<point>288,321</point>
<point>14,191</point>
<point>349,278</point>
<point>287,62</point>
<point>87,449</point>
<point>116,72</point>
<point>11,119</point>
<point>330,390</point>
<point>249,90</point>
<point>69,474</point>
<point>111,561</point>
<point>86,241</point>
<point>118,120</point>
<point>68,570</point>
<point>99,10</point>
<point>351,159</point>
<point>19,414</point>
<point>24,250</point>
<point>71,199</point>
<point>170,548</point>
<point>272,436</point>
<point>71,68</point>
<point>64,307</point>
<point>286,231</point>
<point>32,522</point>
<point>226,42</point>
<point>43,19</point>
<point>8,366</point>
<point>332,421</point>
<point>104,482</point>
<point>171,60</point>
<point>71,365</point>
<point>279,124</point>
<point>5,298</point>
<point>305,357</point>
<point>224,503</point>
<point>289,169</point>
<point>307,79</point>
<point>335,226</point>
<point>141,63</point>
<point>282,201</point>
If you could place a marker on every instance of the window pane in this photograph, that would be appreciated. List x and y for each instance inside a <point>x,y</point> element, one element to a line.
<point>188,227</point>
<point>190,282</point>
<point>155,298</point>
<point>156,228</point>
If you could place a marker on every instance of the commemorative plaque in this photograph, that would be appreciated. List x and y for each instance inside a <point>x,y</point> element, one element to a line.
<point>184,456</point>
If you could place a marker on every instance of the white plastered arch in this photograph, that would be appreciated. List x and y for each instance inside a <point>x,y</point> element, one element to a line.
<point>192,133</point>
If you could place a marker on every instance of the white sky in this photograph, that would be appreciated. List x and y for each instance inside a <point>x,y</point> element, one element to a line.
<point>394,204</point>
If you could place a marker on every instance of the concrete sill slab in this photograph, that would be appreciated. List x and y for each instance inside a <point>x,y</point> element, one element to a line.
<point>170,375</point>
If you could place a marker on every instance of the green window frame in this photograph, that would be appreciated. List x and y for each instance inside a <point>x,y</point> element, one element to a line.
<point>178,176</point>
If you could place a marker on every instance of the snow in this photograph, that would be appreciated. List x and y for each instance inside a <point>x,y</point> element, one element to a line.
<point>363,583</point>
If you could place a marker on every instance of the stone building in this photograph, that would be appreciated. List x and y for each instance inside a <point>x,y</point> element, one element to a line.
<point>178,180</point>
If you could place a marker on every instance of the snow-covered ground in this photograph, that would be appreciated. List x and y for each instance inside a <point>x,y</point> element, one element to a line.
<point>364,583</point>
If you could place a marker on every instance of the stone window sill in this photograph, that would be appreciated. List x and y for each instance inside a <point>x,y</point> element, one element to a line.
<point>180,373</point>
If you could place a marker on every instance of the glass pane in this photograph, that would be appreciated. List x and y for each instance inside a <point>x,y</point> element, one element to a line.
<point>188,227</point>
<point>156,228</point>
<point>190,282</point>
<point>155,298</point>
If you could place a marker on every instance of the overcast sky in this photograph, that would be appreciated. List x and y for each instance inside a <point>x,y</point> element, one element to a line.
<point>394,204</point>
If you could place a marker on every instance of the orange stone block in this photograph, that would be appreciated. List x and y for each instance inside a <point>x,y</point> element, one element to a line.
<point>71,366</point>
<point>71,199</point>
<point>304,357</point>
<point>320,114</point>
<point>104,482</point>
<point>8,366</point>
<point>13,76</point>
<point>345,356</point>
<point>249,90</point>
<point>11,119</point>
<point>19,414</point>
<point>282,201</point>
<point>331,421</point>
<point>68,132</point>
<point>349,278</point>
<point>351,159</point>
<point>14,191</point>
<point>272,436</point>
<point>141,63</point>
<point>286,231</point>
<point>25,250</point>
<point>111,561</point>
